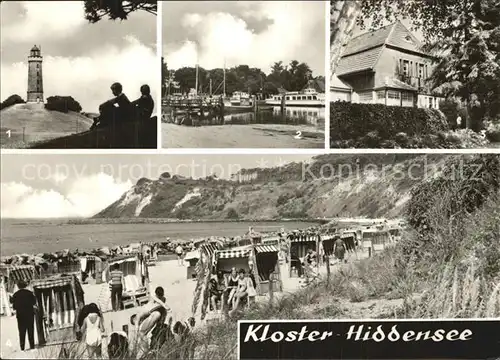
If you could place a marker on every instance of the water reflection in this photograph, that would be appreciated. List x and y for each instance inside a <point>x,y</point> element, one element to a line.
<point>312,116</point>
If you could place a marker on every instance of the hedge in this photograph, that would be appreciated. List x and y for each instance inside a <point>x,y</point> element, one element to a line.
<point>353,121</point>
<point>11,100</point>
<point>63,104</point>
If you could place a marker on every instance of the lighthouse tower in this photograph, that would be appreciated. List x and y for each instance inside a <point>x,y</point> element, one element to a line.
<point>35,79</point>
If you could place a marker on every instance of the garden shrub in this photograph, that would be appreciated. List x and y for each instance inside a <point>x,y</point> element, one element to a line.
<point>353,121</point>
<point>461,188</point>
<point>11,100</point>
<point>63,104</point>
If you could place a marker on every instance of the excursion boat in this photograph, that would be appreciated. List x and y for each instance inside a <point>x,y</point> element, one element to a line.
<point>240,102</point>
<point>240,98</point>
<point>307,98</point>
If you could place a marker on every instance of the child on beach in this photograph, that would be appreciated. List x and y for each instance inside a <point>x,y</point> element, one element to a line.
<point>92,330</point>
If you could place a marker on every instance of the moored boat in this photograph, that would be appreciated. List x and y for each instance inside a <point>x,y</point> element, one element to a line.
<point>307,98</point>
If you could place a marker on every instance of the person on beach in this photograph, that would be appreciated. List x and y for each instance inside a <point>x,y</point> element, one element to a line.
<point>216,289</point>
<point>147,321</point>
<point>118,345</point>
<point>339,249</point>
<point>24,304</point>
<point>242,290</point>
<point>295,262</point>
<point>116,285</point>
<point>179,251</point>
<point>183,335</point>
<point>231,285</point>
<point>310,263</point>
<point>92,331</point>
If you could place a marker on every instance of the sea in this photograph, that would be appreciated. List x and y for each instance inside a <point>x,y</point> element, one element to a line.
<point>20,236</point>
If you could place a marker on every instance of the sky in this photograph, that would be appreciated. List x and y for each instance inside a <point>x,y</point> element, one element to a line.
<point>80,59</point>
<point>67,186</point>
<point>254,33</point>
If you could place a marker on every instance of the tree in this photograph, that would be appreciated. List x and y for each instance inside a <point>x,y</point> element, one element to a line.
<point>464,35</point>
<point>63,104</point>
<point>164,76</point>
<point>343,15</point>
<point>95,10</point>
<point>11,100</point>
<point>245,78</point>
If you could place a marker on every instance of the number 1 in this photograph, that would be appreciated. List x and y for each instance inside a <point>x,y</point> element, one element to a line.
<point>8,133</point>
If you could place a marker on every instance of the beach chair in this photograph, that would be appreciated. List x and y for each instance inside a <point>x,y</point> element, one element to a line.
<point>133,294</point>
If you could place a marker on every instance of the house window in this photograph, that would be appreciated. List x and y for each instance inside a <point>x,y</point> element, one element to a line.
<point>406,67</point>
<point>309,98</point>
<point>421,71</point>
<point>407,96</point>
<point>365,97</point>
<point>38,66</point>
<point>381,94</point>
<point>288,97</point>
<point>294,98</point>
<point>392,94</point>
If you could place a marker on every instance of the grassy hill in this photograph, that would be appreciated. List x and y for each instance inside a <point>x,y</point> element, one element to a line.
<point>330,186</point>
<point>23,124</point>
<point>123,136</point>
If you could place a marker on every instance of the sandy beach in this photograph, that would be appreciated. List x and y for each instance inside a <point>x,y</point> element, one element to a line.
<point>168,274</point>
<point>242,136</point>
<point>179,293</point>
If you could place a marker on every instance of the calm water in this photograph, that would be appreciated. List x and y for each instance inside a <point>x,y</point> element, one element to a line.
<point>312,116</point>
<point>36,236</point>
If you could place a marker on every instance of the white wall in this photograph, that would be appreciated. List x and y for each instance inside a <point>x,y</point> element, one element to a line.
<point>337,95</point>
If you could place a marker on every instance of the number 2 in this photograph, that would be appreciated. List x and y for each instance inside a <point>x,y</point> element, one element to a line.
<point>8,133</point>
<point>298,134</point>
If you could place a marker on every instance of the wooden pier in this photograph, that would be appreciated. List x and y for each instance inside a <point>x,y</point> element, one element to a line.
<point>193,111</point>
<point>207,110</point>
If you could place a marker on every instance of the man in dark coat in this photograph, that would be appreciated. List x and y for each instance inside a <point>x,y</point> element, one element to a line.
<point>116,110</point>
<point>144,105</point>
<point>24,304</point>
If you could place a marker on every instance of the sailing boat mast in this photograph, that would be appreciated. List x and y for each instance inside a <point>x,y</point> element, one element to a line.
<point>196,86</point>
<point>224,83</point>
<point>197,61</point>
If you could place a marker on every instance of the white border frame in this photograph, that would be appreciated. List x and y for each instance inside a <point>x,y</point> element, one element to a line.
<point>327,75</point>
<point>159,54</point>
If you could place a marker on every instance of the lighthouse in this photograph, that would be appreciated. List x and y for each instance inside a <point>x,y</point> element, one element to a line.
<point>35,79</point>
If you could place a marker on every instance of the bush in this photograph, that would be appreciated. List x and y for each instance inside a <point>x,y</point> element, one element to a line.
<point>354,121</point>
<point>232,214</point>
<point>11,100</point>
<point>62,104</point>
<point>493,132</point>
<point>462,187</point>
